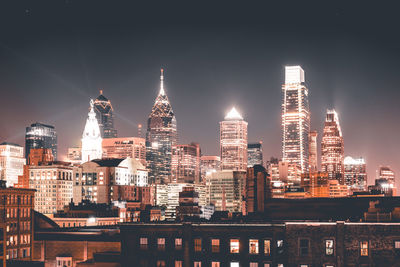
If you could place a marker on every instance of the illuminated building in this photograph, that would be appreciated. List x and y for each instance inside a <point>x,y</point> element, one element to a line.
<point>74,155</point>
<point>11,162</point>
<point>186,163</point>
<point>313,151</point>
<point>233,142</point>
<point>355,173</point>
<point>254,154</point>
<point>124,147</point>
<point>337,190</point>
<point>332,148</point>
<point>91,138</point>
<point>295,118</point>
<point>16,207</point>
<point>53,183</point>
<point>258,188</point>
<point>40,135</point>
<point>386,173</point>
<point>188,204</point>
<point>315,184</point>
<point>209,164</point>
<point>105,117</point>
<point>160,137</point>
<point>226,190</point>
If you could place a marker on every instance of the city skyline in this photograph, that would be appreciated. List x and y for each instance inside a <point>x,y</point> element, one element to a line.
<point>211,69</point>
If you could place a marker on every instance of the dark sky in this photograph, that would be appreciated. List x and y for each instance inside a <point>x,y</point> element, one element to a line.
<point>55,55</point>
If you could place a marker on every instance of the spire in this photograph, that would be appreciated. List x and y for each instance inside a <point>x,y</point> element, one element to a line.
<point>101,91</point>
<point>162,92</point>
<point>233,115</point>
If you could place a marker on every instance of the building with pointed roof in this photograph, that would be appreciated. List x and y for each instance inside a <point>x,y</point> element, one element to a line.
<point>105,116</point>
<point>91,138</point>
<point>160,137</point>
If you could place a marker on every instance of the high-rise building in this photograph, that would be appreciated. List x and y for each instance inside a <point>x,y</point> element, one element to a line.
<point>355,173</point>
<point>124,147</point>
<point>11,162</point>
<point>209,164</point>
<point>295,118</point>
<point>40,135</point>
<point>385,172</point>
<point>161,136</point>
<point>254,154</point>
<point>186,163</point>
<point>313,151</point>
<point>258,188</point>
<point>105,117</point>
<point>332,148</point>
<point>233,142</point>
<point>91,137</point>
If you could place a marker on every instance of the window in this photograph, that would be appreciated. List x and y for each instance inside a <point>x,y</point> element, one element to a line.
<point>253,246</point>
<point>329,250</point>
<point>303,265</point>
<point>267,247</point>
<point>178,243</point>
<point>234,264</point>
<point>280,265</point>
<point>160,263</point>
<point>215,264</point>
<point>178,263</point>
<point>253,264</point>
<point>303,247</point>
<point>234,246</point>
<point>364,248</point>
<point>215,245</point>
<point>197,263</point>
<point>267,265</point>
<point>279,247</point>
<point>161,243</point>
<point>197,245</point>
<point>143,243</point>
<point>397,244</point>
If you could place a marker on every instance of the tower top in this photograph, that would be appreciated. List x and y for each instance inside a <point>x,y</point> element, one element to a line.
<point>233,115</point>
<point>162,92</point>
<point>294,74</point>
<point>101,91</point>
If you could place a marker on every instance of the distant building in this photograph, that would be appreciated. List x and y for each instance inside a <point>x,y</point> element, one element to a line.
<point>209,164</point>
<point>295,118</point>
<point>53,183</point>
<point>74,155</point>
<point>315,184</point>
<point>386,173</point>
<point>338,190</point>
<point>313,151</point>
<point>355,173</point>
<point>254,154</point>
<point>124,147</point>
<point>91,138</point>
<point>332,148</point>
<point>258,188</point>
<point>40,135</point>
<point>233,142</point>
<point>161,136</point>
<point>188,204</point>
<point>105,117</point>
<point>11,162</point>
<point>186,163</point>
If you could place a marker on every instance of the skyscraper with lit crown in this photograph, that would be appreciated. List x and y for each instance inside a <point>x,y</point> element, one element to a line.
<point>233,142</point>
<point>332,148</point>
<point>161,136</point>
<point>105,116</point>
<point>295,118</point>
<point>91,138</point>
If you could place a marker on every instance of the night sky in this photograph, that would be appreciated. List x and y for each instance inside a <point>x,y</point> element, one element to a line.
<point>56,55</point>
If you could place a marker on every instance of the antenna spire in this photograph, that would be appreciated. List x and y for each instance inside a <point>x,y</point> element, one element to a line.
<point>162,92</point>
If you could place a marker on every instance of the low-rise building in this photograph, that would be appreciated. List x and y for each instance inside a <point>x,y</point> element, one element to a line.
<point>12,162</point>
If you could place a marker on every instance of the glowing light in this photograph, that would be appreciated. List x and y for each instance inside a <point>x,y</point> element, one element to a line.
<point>233,115</point>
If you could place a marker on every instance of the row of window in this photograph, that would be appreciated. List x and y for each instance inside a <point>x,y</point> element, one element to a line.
<point>18,199</point>
<point>23,212</point>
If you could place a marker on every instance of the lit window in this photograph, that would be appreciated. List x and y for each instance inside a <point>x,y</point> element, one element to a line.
<point>178,243</point>
<point>234,264</point>
<point>364,248</point>
<point>178,263</point>
<point>279,246</point>
<point>197,245</point>
<point>143,242</point>
<point>160,263</point>
<point>253,264</point>
<point>215,245</point>
<point>303,265</point>
<point>161,243</point>
<point>397,244</point>
<point>215,264</point>
<point>329,250</point>
<point>304,247</point>
<point>253,246</point>
<point>267,247</point>
<point>267,265</point>
<point>197,264</point>
<point>280,265</point>
<point>234,246</point>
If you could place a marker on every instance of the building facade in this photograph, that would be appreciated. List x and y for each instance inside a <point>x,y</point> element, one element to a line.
<point>355,173</point>
<point>91,137</point>
<point>105,117</point>
<point>11,162</point>
<point>233,142</point>
<point>258,188</point>
<point>186,163</point>
<point>254,154</point>
<point>125,147</point>
<point>332,148</point>
<point>385,172</point>
<point>161,136</point>
<point>40,135</point>
<point>209,164</point>
<point>313,151</point>
<point>295,118</point>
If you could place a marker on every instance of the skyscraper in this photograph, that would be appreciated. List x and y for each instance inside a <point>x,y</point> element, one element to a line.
<point>233,142</point>
<point>11,162</point>
<point>355,173</point>
<point>186,163</point>
<point>254,154</point>
<point>160,137</point>
<point>332,148</point>
<point>386,173</point>
<point>91,137</point>
<point>40,135</point>
<point>313,151</point>
<point>295,118</point>
<point>105,116</point>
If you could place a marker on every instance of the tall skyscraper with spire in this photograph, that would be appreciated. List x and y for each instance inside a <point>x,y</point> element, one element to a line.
<point>332,148</point>
<point>91,138</point>
<point>161,136</point>
<point>295,118</point>
<point>105,116</point>
<point>233,142</point>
